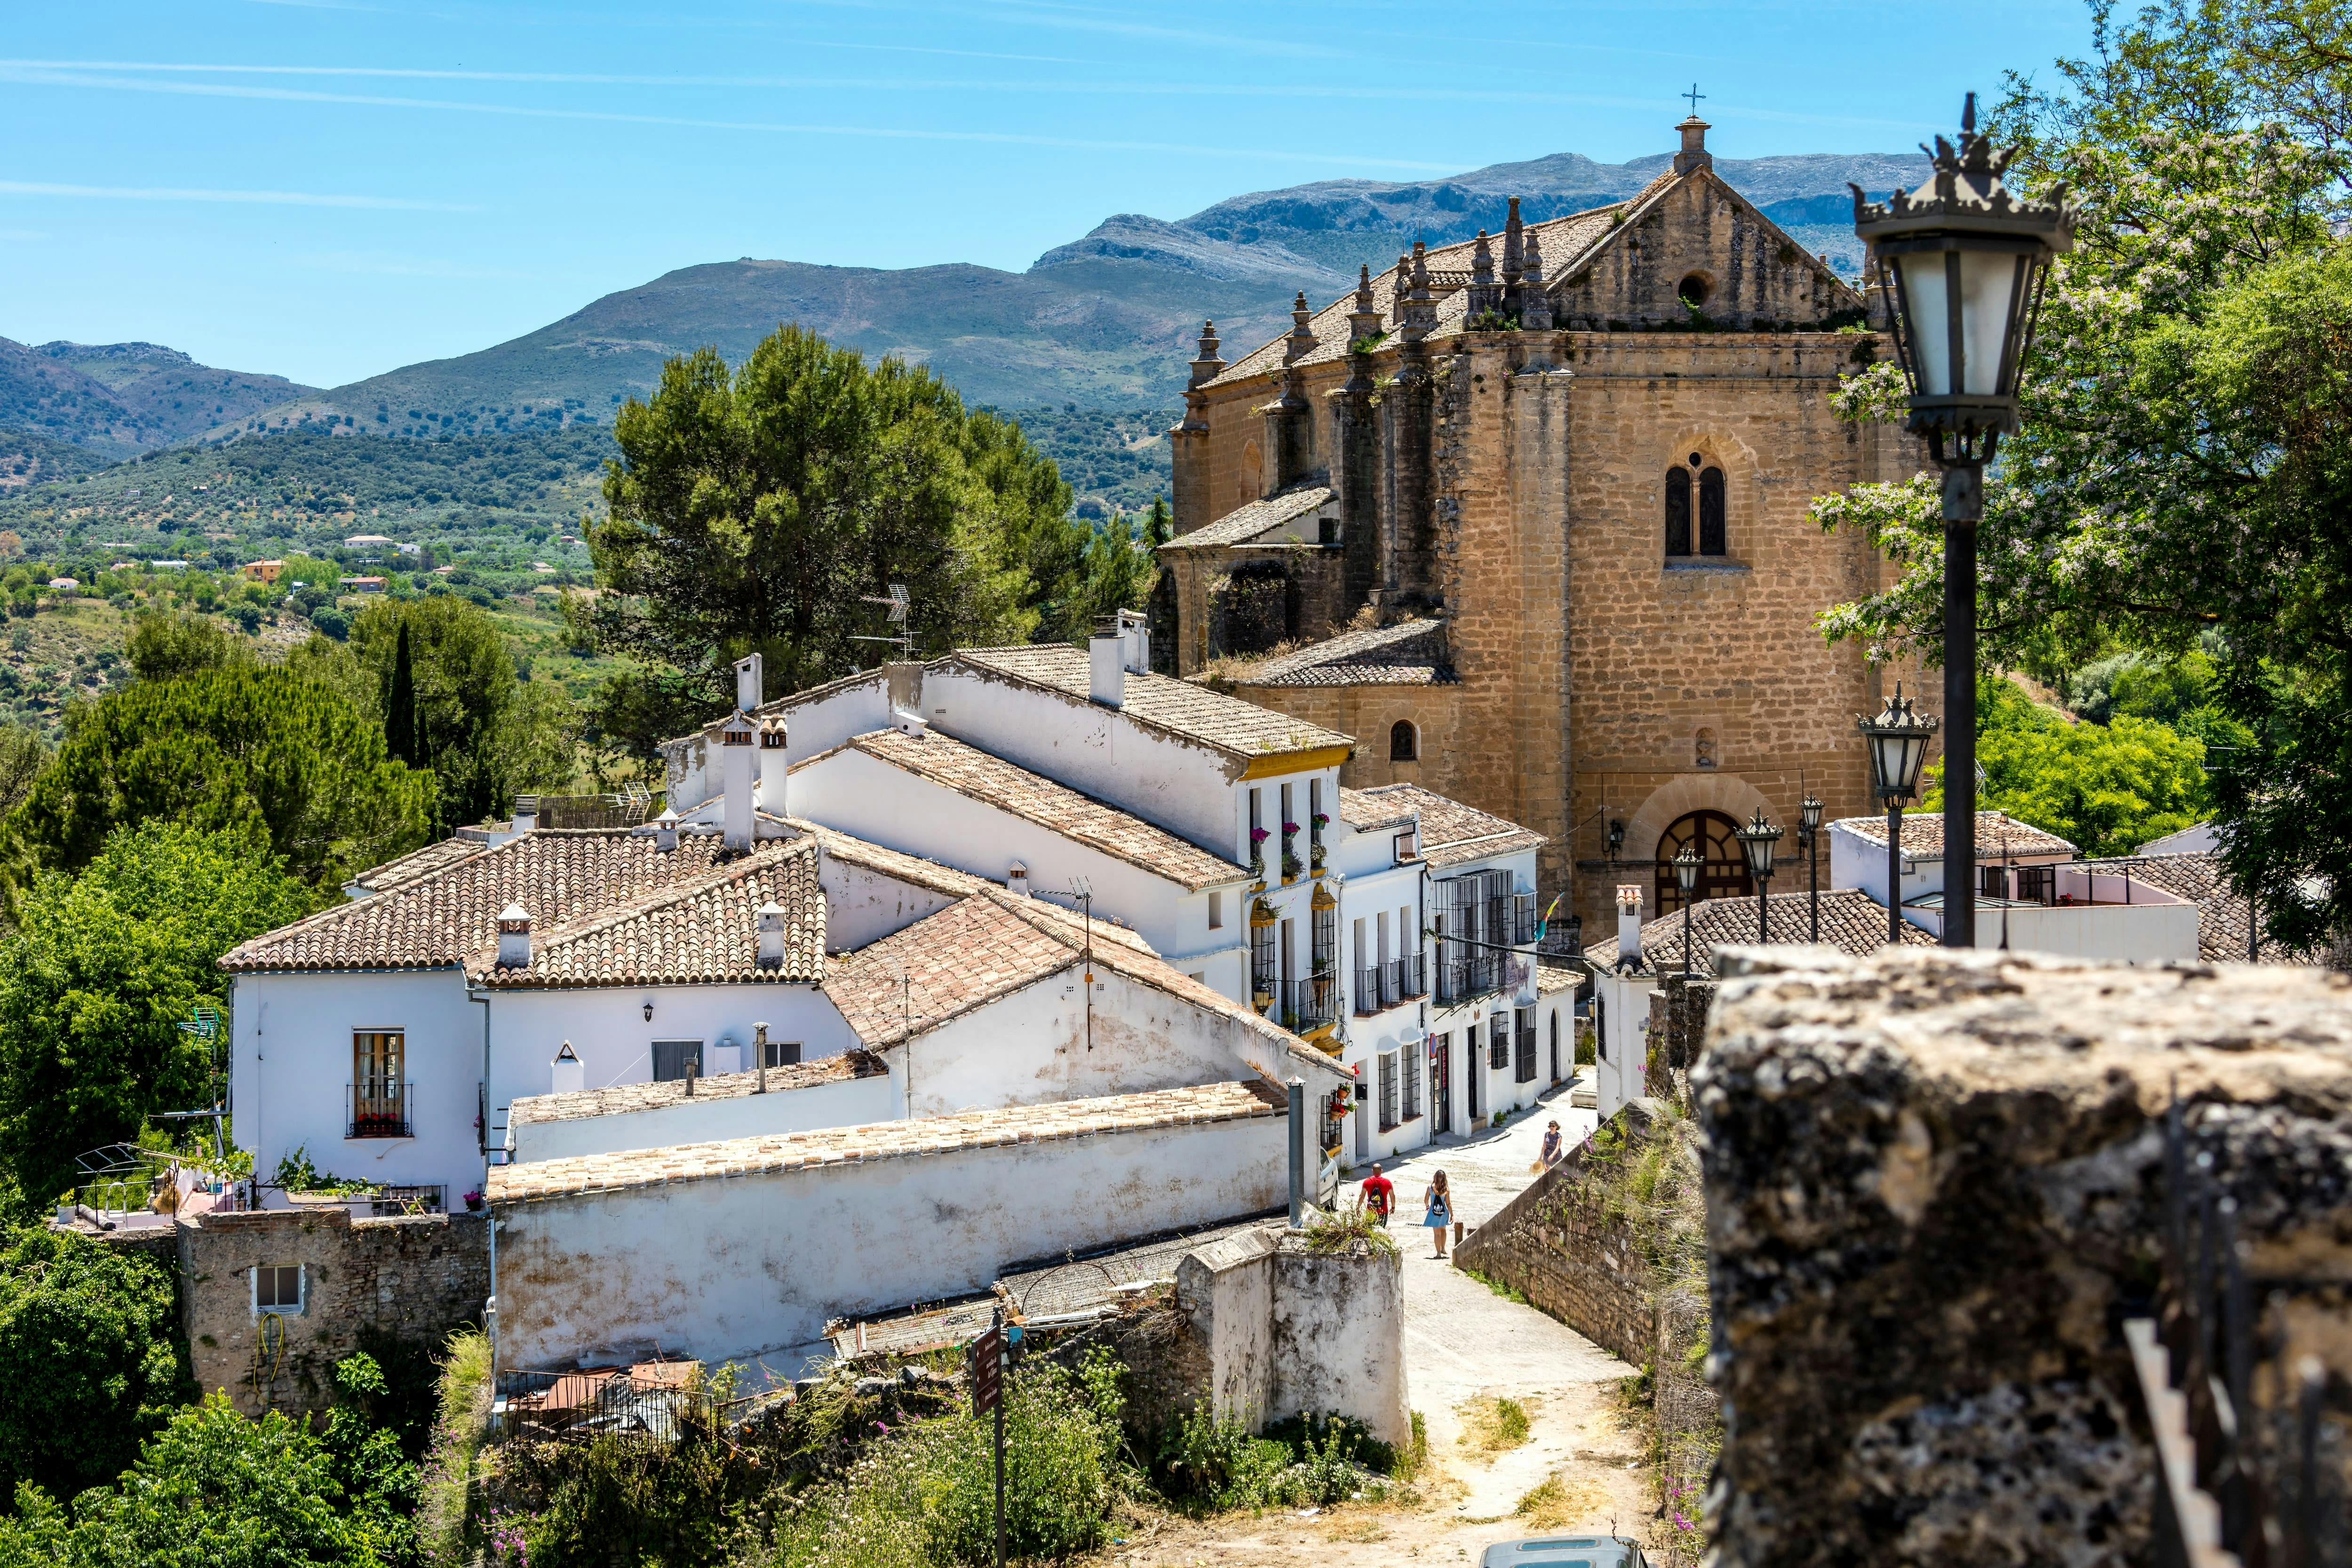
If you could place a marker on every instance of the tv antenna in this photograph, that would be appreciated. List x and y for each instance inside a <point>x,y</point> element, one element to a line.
<point>899,603</point>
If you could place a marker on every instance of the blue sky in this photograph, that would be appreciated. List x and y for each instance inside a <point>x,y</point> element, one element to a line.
<point>326,189</point>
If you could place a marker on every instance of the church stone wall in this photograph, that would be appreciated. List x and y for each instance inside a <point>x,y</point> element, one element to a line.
<point>1369,714</point>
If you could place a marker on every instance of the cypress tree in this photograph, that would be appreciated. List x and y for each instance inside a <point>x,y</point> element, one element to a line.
<point>400,708</point>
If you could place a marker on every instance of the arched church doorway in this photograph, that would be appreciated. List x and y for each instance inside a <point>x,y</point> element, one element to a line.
<point>1724,872</point>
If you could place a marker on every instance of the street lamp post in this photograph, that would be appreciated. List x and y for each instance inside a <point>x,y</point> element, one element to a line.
<point>1757,838</point>
<point>1967,261</point>
<point>1687,862</point>
<point>1809,837</point>
<point>1897,744</point>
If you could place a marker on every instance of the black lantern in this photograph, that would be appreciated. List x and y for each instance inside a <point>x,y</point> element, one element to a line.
<point>1616,839</point>
<point>1808,838</point>
<point>1687,865</point>
<point>1966,261</point>
<point>1757,838</point>
<point>1897,744</point>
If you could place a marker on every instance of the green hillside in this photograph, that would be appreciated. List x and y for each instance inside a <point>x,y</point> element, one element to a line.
<point>119,397</point>
<point>308,488</point>
<point>27,458</point>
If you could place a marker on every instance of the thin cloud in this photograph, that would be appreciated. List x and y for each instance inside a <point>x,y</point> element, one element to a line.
<point>261,198</point>
<point>22,236</point>
<point>1095,87</point>
<point>374,101</point>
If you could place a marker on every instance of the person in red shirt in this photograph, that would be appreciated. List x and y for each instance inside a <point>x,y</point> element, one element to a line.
<point>1380,1196</point>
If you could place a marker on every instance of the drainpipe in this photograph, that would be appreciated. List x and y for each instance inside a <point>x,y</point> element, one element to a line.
<point>1298,1087</point>
<point>489,1308</point>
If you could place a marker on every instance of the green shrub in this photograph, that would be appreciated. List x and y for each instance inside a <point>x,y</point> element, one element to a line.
<point>1206,1465</point>
<point>89,1341</point>
<point>1062,1443</point>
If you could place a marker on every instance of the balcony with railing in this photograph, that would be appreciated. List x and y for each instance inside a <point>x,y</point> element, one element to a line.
<point>1463,975</point>
<point>1523,919</point>
<point>1408,976</point>
<point>377,1108</point>
<point>1314,1002</point>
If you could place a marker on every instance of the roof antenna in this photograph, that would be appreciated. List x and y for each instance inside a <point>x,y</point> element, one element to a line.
<point>897,601</point>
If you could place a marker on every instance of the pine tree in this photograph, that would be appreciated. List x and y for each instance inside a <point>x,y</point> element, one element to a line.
<point>400,708</point>
<point>1159,527</point>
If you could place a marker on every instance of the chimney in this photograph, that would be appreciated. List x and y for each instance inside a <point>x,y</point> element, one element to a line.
<point>1135,631</point>
<point>514,937</point>
<point>772,737</point>
<point>1629,925</point>
<point>665,831</point>
<point>567,1074</point>
<point>749,672</point>
<point>772,935</point>
<point>1016,879</point>
<point>1107,652</point>
<point>1694,155</point>
<point>526,813</point>
<point>735,742</point>
<point>760,1056</point>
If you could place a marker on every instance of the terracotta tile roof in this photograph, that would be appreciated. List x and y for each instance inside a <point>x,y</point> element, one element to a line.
<point>1248,521</point>
<point>976,775</point>
<point>2222,917</point>
<point>1453,832</point>
<point>418,863</point>
<point>701,932</point>
<point>1568,243</point>
<point>1553,978</point>
<point>952,960</point>
<point>1409,652</point>
<point>1365,812</point>
<point>652,1096</point>
<point>1010,1128</point>
<point>1922,834</point>
<point>1852,920</point>
<point>1179,707</point>
<point>442,918</point>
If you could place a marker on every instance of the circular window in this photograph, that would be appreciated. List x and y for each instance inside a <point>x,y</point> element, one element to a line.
<point>1696,459</point>
<point>1691,290</point>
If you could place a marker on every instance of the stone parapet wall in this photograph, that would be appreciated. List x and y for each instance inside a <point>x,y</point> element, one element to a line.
<point>1934,1188</point>
<point>364,1282</point>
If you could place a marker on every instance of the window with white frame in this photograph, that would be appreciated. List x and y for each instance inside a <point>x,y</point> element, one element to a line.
<point>1216,911</point>
<point>1413,1069</point>
<point>1388,1091</point>
<point>277,1288</point>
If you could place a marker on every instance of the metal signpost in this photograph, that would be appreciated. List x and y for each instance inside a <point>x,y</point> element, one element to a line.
<point>986,1365</point>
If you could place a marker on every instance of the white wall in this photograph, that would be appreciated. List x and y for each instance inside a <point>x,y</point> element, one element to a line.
<point>1184,787</point>
<point>721,1270</point>
<point>1622,1044</point>
<point>1029,1048</point>
<point>613,1040</point>
<point>813,726</point>
<point>1858,862</point>
<point>862,907</point>
<point>846,1102</point>
<point>290,1068</point>
<point>865,796</point>
<point>1290,1332</point>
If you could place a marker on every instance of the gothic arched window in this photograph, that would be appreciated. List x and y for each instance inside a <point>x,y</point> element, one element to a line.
<point>1723,875</point>
<point>1404,743</point>
<point>1710,512</point>
<point>1678,510</point>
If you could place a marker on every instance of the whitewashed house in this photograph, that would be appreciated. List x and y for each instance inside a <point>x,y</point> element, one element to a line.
<point>1215,829</point>
<point>387,1037</point>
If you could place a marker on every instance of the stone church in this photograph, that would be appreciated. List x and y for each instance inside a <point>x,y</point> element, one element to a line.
<point>1528,517</point>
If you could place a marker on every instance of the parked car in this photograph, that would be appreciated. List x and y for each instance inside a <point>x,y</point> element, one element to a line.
<point>1564,1551</point>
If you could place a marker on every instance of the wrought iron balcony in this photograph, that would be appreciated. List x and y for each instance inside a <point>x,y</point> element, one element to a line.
<point>377,1108</point>
<point>1316,1001</point>
<point>1368,989</point>
<point>1408,976</point>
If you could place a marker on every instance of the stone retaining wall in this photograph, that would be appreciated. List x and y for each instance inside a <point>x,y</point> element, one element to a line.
<point>1557,1245</point>
<point>364,1282</point>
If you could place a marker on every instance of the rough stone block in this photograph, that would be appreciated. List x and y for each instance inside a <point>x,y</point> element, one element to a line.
<point>1934,1189</point>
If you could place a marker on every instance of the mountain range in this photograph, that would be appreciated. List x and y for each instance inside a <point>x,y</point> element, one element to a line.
<point>1107,321</point>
